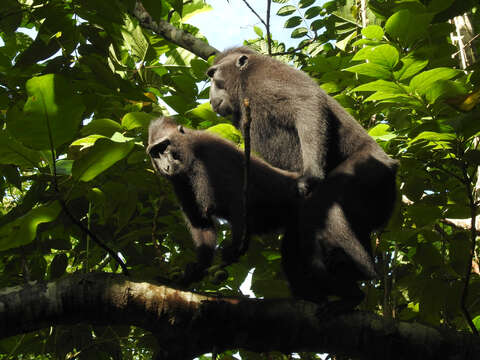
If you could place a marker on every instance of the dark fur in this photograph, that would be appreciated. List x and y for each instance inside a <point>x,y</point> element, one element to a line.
<point>207,175</point>
<point>324,256</point>
<point>296,126</point>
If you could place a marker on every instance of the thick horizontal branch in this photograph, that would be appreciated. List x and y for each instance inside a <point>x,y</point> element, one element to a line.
<point>171,33</point>
<point>189,324</point>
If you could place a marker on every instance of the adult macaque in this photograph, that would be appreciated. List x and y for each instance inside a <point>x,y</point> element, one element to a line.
<point>295,126</point>
<point>207,175</point>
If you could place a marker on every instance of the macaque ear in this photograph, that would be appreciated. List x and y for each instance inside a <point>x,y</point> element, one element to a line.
<point>180,129</point>
<point>242,61</point>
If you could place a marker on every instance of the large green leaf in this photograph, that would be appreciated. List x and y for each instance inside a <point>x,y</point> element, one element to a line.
<point>135,120</point>
<point>411,66</point>
<point>227,131</point>
<point>23,230</point>
<point>204,111</point>
<point>12,152</point>
<point>373,32</point>
<point>384,55</point>
<point>382,86</point>
<point>422,82</point>
<point>99,158</point>
<point>51,115</point>
<point>407,27</point>
<point>105,127</point>
<point>372,70</point>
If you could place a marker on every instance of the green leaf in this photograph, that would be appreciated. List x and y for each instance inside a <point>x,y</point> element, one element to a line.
<point>305,3</point>
<point>103,155</point>
<point>23,230</point>
<point>10,16</point>
<point>385,55</point>
<point>154,8</point>
<point>193,8</point>
<point>135,41</point>
<point>372,70</point>
<point>293,21</point>
<point>317,24</point>
<point>299,32</point>
<point>313,12</point>
<point>381,132</point>
<point>51,111</point>
<point>135,120</point>
<point>199,68</point>
<point>204,111</point>
<point>177,5</point>
<point>87,141</point>
<point>411,66</point>
<point>64,167</point>
<point>476,322</point>
<point>227,131</point>
<point>342,44</point>
<point>258,31</point>
<point>444,89</point>
<point>280,1</point>
<point>105,127</point>
<point>423,81</point>
<point>407,27</point>
<point>437,6</point>
<point>387,96</point>
<point>373,32</point>
<point>286,10</point>
<point>433,136</point>
<point>381,85</point>
<point>12,152</point>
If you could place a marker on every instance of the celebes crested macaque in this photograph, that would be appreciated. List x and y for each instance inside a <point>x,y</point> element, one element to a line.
<point>323,251</point>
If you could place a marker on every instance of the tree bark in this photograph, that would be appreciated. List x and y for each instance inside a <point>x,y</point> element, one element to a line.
<point>171,33</point>
<point>188,324</point>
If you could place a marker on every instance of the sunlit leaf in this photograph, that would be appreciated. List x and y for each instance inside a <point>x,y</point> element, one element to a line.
<point>51,115</point>
<point>411,66</point>
<point>23,230</point>
<point>286,10</point>
<point>422,82</point>
<point>100,157</point>
<point>299,32</point>
<point>372,70</point>
<point>227,131</point>
<point>373,32</point>
<point>135,120</point>
<point>407,27</point>
<point>293,21</point>
<point>385,55</point>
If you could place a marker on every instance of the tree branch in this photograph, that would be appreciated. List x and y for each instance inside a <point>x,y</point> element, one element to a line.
<point>171,33</point>
<point>189,324</point>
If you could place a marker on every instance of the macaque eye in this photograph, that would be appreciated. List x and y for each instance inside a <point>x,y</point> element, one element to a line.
<point>211,72</point>
<point>159,149</point>
<point>220,84</point>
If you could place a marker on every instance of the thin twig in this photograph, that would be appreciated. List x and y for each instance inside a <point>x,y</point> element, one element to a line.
<point>269,37</point>
<point>246,173</point>
<point>473,237</point>
<point>256,14</point>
